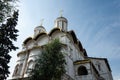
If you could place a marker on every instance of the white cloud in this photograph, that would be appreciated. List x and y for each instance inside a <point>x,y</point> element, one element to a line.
<point>117,77</point>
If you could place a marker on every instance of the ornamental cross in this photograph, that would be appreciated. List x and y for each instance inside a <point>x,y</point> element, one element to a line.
<point>61,13</point>
<point>41,22</point>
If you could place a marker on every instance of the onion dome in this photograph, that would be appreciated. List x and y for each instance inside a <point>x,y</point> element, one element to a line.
<point>39,29</point>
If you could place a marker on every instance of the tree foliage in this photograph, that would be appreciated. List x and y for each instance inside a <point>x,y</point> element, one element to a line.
<point>7,8</point>
<point>8,34</point>
<point>51,63</point>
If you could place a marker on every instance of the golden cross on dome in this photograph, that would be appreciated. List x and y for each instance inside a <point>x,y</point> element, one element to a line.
<point>41,22</point>
<point>61,13</point>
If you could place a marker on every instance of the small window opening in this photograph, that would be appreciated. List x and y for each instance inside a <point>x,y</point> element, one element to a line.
<point>82,71</point>
<point>99,67</point>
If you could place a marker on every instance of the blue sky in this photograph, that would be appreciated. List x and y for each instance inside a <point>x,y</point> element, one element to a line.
<point>95,22</point>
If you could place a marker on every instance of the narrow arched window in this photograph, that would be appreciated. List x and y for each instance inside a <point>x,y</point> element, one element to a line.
<point>16,70</point>
<point>30,66</point>
<point>20,69</point>
<point>99,67</point>
<point>98,64</point>
<point>82,71</point>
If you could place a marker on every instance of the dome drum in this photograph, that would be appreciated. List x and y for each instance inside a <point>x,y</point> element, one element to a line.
<point>61,22</point>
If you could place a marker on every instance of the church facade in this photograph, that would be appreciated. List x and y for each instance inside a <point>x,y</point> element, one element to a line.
<point>79,65</point>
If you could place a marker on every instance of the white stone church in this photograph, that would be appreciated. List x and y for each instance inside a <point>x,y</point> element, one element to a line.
<point>79,66</point>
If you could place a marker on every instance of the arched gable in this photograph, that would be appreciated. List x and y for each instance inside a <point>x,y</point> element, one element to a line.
<point>72,33</point>
<point>18,69</point>
<point>43,33</point>
<point>85,53</point>
<point>80,46</point>
<point>41,39</point>
<point>26,40</point>
<point>53,30</point>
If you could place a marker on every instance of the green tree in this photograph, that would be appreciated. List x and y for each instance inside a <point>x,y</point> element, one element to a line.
<point>51,63</point>
<point>8,34</point>
<point>7,8</point>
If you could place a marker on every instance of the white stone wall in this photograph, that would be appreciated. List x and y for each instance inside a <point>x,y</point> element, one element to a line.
<point>21,63</point>
<point>103,71</point>
<point>90,70</point>
<point>33,55</point>
<point>57,34</point>
<point>42,40</point>
<point>72,54</point>
<point>70,67</point>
